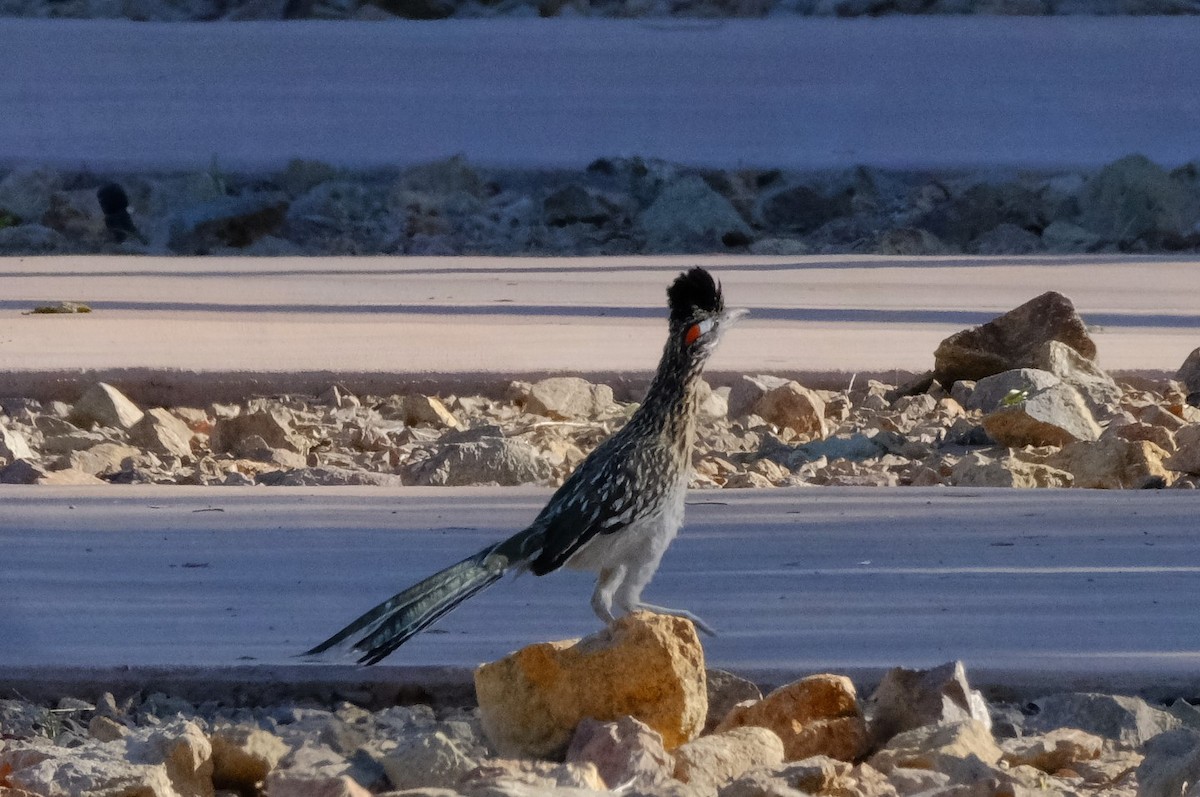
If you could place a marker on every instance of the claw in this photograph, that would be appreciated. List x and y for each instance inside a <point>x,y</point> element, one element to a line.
<point>684,613</point>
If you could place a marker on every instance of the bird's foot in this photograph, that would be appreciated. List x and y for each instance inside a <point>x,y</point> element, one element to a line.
<point>684,613</point>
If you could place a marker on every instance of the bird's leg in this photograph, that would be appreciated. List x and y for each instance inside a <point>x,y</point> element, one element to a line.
<point>684,613</point>
<point>602,597</point>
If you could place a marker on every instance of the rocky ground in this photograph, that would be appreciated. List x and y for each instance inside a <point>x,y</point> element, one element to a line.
<point>630,710</point>
<point>203,10</point>
<point>614,206</point>
<point>1016,402</point>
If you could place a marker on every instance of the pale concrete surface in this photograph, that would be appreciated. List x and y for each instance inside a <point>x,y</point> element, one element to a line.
<point>1044,589</point>
<point>784,92</point>
<point>510,316</point>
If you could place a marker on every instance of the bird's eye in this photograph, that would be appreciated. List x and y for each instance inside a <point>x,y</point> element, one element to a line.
<point>696,330</point>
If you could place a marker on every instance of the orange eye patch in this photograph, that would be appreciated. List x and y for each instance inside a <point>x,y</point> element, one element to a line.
<point>693,332</point>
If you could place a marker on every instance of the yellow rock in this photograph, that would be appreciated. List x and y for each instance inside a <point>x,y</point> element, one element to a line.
<point>647,666</point>
<point>818,715</point>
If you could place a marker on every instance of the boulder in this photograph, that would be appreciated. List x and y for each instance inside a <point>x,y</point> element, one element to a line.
<point>747,390</point>
<point>1011,340</point>
<point>428,760</point>
<point>1189,372</point>
<point>713,761</point>
<point>726,690</point>
<point>1129,720</point>
<point>568,397</point>
<point>1059,749</point>
<point>13,445</point>
<point>243,756</point>
<point>817,715</point>
<point>647,666</point>
<point>1099,390</point>
<point>93,769</point>
<point>417,409</point>
<point>690,216</point>
<point>979,470</point>
<point>303,784</point>
<point>491,460</point>
<point>274,427</point>
<point>104,405</point>
<point>182,748</point>
<point>816,775</point>
<point>791,405</point>
<point>907,699</point>
<point>1008,387</point>
<point>1052,416</point>
<point>953,748</point>
<point>1171,765</point>
<point>1186,458</point>
<point>104,459</point>
<point>1112,463</point>
<point>162,433</point>
<point>624,751</point>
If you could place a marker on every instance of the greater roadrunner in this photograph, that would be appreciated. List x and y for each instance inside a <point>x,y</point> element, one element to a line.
<point>616,514</point>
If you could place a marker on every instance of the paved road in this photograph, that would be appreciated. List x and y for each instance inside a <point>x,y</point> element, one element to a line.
<point>1042,586</point>
<point>217,324</point>
<point>807,93</point>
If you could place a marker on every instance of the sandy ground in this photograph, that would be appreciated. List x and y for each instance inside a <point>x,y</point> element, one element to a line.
<point>786,92</point>
<point>1045,589</point>
<point>408,318</point>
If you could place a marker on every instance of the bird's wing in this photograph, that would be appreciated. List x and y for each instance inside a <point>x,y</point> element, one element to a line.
<point>594,500</point>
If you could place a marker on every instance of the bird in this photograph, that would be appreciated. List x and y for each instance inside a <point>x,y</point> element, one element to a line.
<point>615,514</point>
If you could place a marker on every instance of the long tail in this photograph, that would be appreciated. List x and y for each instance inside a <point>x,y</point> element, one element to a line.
<point>393,622</point>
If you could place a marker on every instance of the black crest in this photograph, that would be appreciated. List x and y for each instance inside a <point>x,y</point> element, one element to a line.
<point>694,291</point>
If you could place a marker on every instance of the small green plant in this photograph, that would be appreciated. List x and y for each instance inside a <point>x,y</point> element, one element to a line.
<point>1014,397</point>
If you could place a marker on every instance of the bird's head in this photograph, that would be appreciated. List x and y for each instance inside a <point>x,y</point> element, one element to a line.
<point>698,314</point>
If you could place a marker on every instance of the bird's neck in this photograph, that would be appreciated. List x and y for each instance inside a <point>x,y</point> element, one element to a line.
<point>670,406</point>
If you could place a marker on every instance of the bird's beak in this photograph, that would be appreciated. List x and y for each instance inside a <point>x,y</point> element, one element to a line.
<point>732,316</point>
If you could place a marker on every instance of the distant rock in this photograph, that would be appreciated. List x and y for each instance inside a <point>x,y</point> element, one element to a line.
<point>1012,340</point>
<point>801,209</point>
<point>1134,200</point>
<point>32,239</point>
<point>234,222</point>
<point>647,666</point>
<point>690,216</point>
<point>26,192</point>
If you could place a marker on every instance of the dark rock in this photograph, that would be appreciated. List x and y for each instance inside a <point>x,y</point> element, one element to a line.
<point>801,209</point>
<point>1012,340</point>
<point>1134,200</point>
<point>228,222</point>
